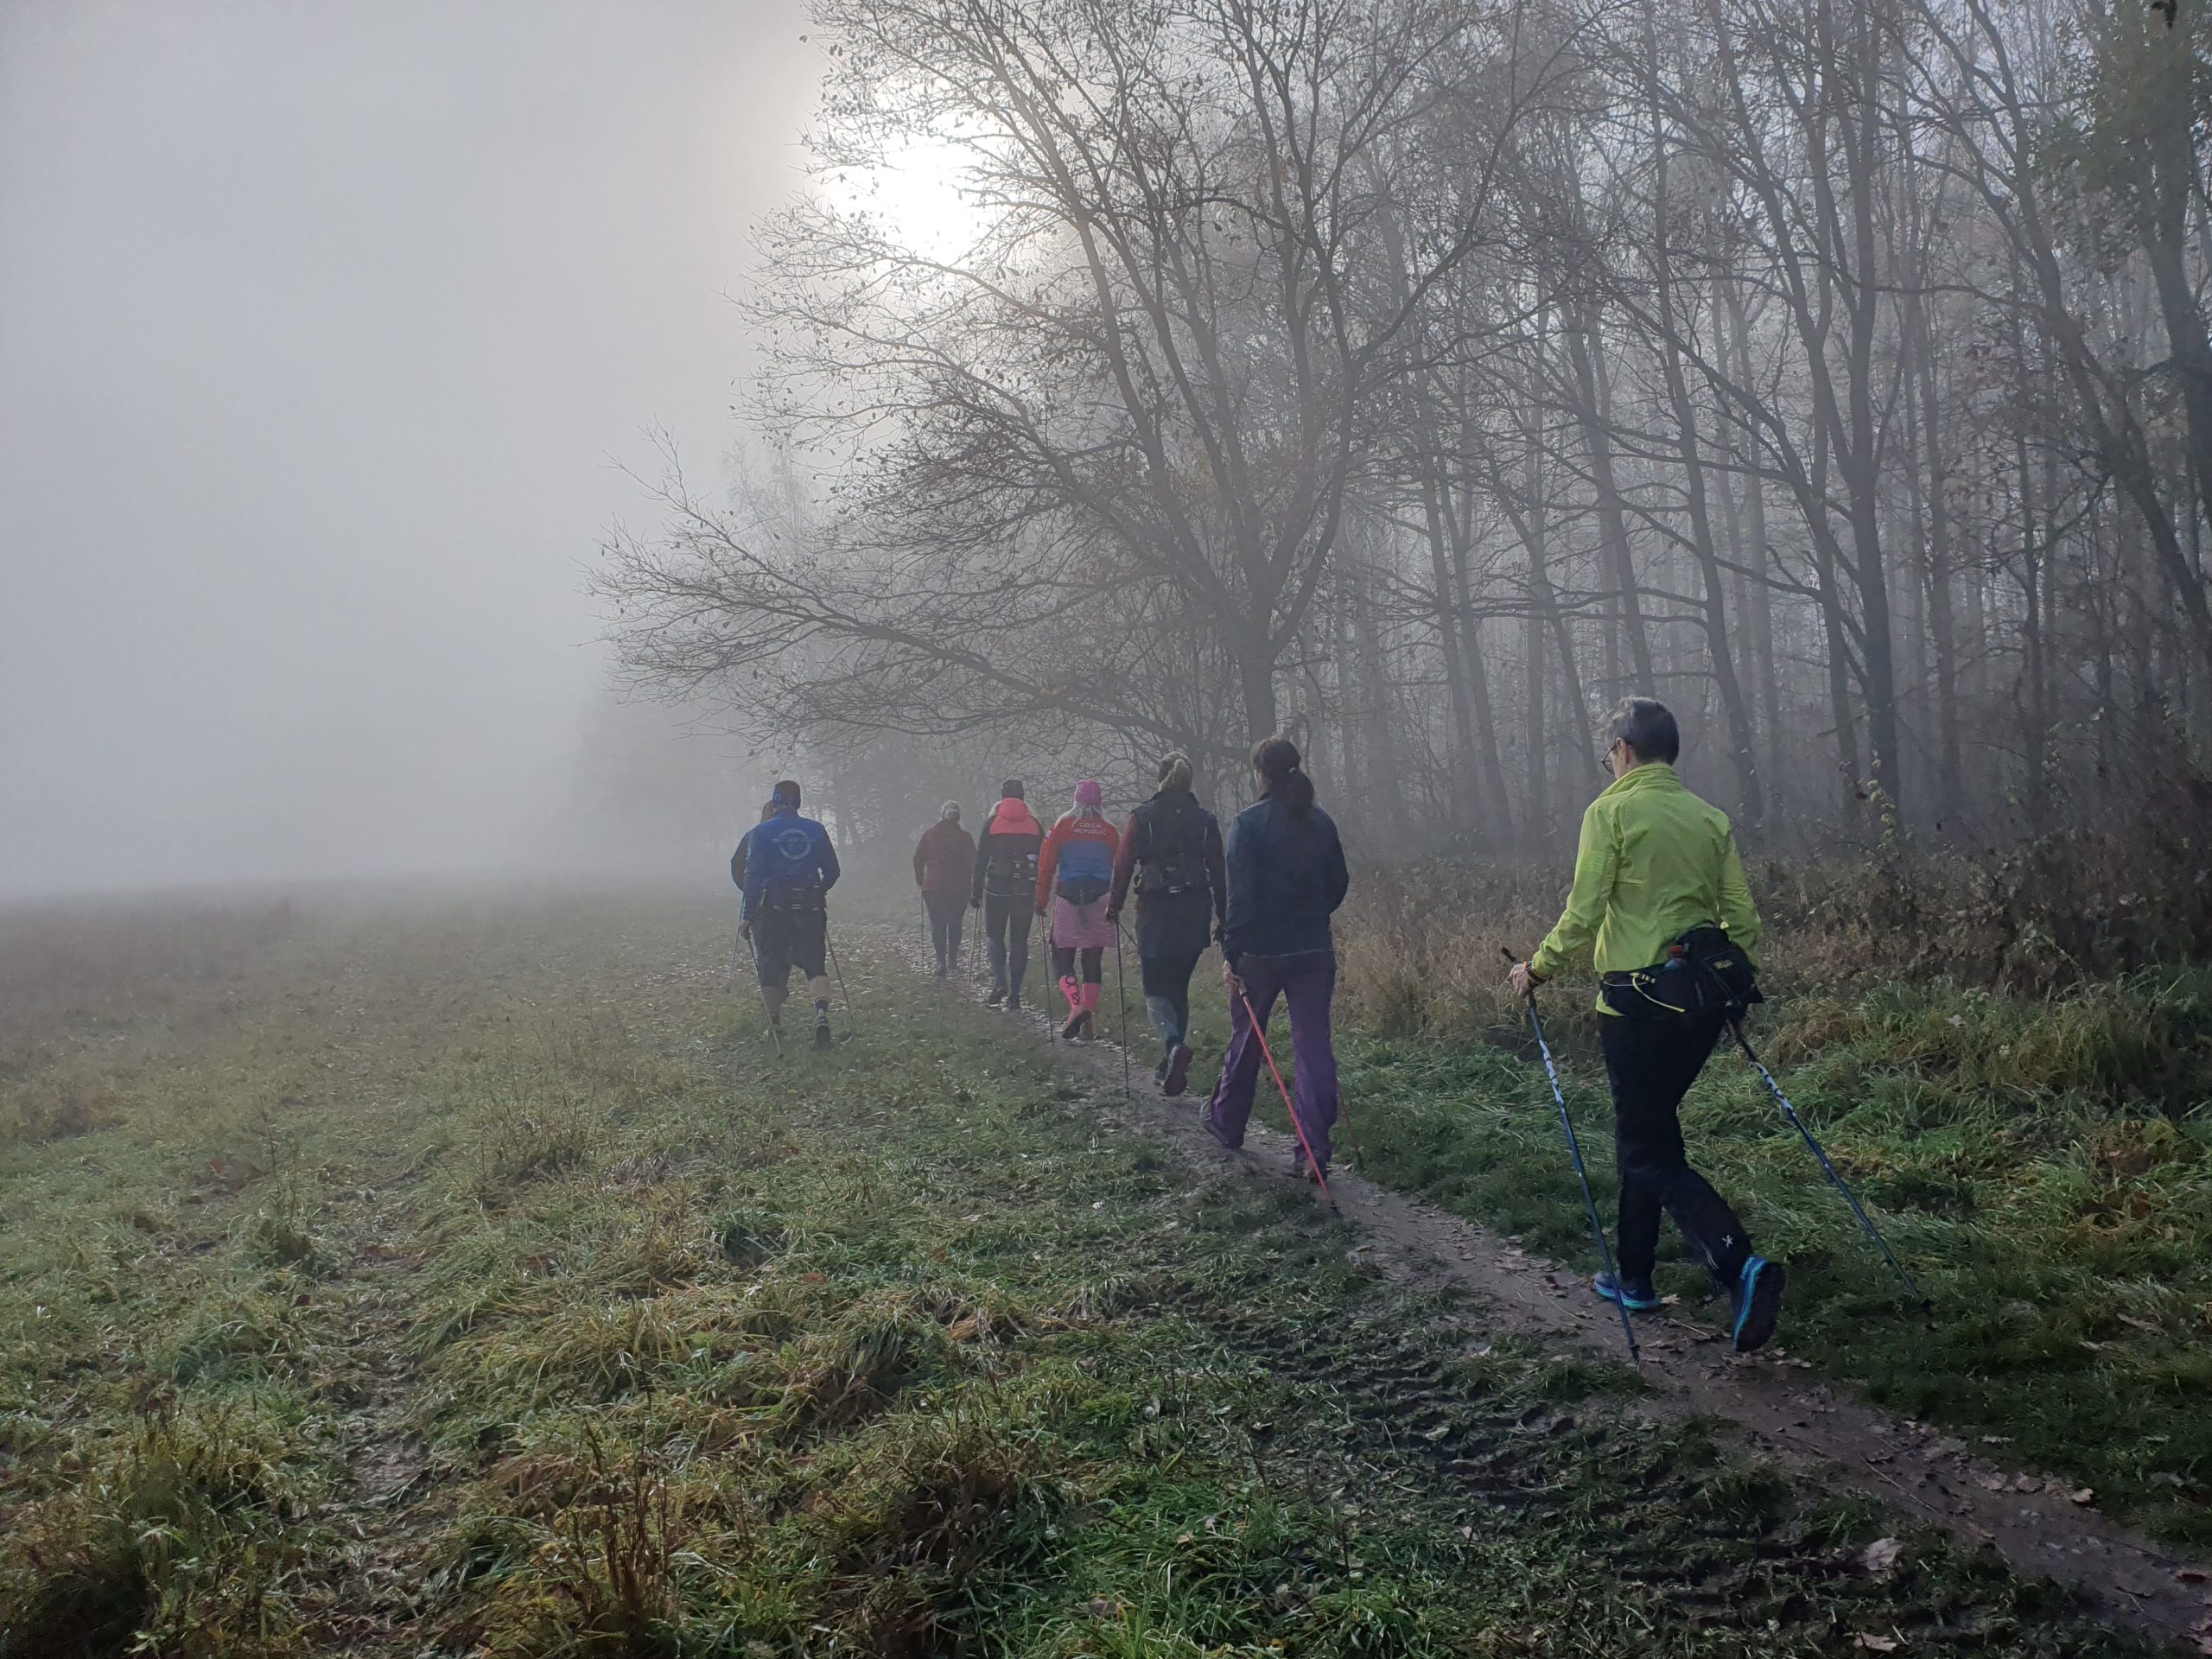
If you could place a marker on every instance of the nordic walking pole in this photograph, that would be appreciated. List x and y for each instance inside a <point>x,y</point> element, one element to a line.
<point>830,944</point>
<point>1297,1128</point>
<point>1121,997</point>
<point>1874,1233</point>
<point>1581,1174</point>
<point>775,1036</point>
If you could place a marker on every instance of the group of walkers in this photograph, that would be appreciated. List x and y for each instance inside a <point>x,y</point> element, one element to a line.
<point>1658,879</point>
<point>1265,895</point>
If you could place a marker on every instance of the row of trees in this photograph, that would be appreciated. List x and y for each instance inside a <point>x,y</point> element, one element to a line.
<point>1420,376</point>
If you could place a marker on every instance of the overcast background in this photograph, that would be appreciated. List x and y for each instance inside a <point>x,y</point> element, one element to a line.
<point>318,326</point>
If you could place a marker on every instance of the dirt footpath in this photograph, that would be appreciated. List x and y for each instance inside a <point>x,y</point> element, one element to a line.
<point>1826,1432</point>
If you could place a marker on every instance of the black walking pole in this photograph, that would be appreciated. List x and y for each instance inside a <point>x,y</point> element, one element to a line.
<point>1574,1152</point>
<point>1121,997</point>
<point>1736,1026</point>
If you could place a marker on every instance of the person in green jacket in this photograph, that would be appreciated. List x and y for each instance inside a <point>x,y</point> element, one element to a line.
<point>1655,862</point>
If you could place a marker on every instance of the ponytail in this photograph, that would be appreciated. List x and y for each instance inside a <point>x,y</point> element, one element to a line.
<point>1276,760</point>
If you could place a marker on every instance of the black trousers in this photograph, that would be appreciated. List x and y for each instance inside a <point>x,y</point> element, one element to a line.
<point>1094,962</point>
<point>947,912</point>
<point>1168,980</point>
<point>1005,932</point>
<point>1651,1062</point>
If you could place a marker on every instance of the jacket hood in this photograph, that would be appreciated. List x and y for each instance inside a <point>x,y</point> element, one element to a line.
<point>1012,817</point>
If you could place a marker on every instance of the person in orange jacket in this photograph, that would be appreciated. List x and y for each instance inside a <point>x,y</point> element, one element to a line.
<point>1075,876</point>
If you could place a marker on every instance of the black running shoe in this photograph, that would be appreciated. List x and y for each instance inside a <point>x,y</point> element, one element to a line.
<point>1179,1070</point>
<point>997,996</point>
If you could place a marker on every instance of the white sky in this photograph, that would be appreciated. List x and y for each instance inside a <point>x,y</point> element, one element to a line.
<point>318,325</point>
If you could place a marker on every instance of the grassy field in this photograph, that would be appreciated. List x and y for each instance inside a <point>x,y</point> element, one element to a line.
<point>469,1277</point>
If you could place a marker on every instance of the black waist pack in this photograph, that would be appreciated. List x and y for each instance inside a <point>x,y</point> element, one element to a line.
<point>1705,972</point>
<point>795,899</point>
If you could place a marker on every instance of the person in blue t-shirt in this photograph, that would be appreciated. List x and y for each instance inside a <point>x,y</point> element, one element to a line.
<point>788,868</point>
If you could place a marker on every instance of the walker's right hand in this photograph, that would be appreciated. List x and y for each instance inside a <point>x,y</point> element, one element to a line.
<point>1523,979</point>
<point>745,931</point>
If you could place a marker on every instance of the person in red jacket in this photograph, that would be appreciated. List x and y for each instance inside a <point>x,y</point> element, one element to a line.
<point>943,859</point>
<point>1075,876</point>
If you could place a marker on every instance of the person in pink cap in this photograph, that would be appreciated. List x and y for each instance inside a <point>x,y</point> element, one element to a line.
<point>1075,874</point>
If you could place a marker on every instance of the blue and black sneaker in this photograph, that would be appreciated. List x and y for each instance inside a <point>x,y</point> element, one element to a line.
<point>1757,1297</point>
<point>1636,1294</point>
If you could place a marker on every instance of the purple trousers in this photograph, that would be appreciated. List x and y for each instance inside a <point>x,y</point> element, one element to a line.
<point>1307,983</point>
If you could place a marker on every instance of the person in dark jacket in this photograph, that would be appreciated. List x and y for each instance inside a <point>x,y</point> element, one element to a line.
<point>1172,847</point>
<point>790,868</point>
<point>1286,876</point>
<point>1004,889</point>
<point>942,861</point>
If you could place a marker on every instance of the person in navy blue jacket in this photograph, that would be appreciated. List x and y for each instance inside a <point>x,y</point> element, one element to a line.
<point>789,868</point>
<point>1286,877</point>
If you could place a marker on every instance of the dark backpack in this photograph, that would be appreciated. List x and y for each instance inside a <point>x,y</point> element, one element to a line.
<point>1174,860</point>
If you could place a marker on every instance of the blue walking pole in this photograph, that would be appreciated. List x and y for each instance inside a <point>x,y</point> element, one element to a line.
<point>1874,1233</point>
<point>1581,1174</point>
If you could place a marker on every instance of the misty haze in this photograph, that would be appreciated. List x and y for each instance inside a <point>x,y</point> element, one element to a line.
<point>1100,827</point>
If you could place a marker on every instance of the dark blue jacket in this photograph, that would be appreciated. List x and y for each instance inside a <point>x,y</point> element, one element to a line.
<point>784,852</point>
<point>1286,880</point>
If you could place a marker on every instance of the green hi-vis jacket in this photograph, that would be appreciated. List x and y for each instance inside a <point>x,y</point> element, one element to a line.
<point>1655,862</point>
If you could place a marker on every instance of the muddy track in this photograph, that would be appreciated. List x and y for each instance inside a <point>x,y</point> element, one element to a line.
<point>1783,1411</point>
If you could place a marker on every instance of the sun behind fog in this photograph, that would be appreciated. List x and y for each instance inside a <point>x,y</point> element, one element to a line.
<point>923,194</point>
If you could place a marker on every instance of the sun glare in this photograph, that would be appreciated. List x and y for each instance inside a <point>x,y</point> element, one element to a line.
<point>924,198</point>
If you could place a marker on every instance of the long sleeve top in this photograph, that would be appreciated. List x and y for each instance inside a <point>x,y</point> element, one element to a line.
<point>1286,880</point>
<point>1079,849</point>
<point>1654,862</point>
<point>784,852</point>
<point>944,858</point>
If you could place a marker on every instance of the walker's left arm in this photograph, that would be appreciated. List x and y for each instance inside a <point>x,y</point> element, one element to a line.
<point>1596,864</point>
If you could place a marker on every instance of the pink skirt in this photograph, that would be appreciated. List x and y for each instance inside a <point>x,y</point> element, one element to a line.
<point>1081,927</point>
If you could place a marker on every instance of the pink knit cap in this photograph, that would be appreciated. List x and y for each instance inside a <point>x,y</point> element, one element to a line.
<point>1088,793</point>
